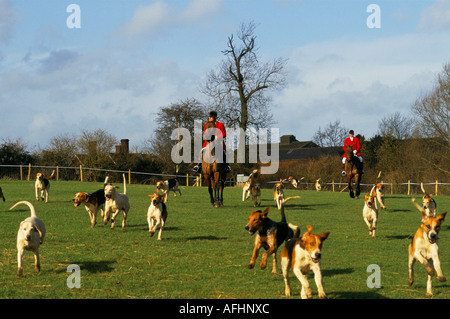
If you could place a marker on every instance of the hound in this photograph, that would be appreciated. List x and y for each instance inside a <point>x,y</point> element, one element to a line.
<point>278,194</point>
<point>42,185</point>
<point>370,212</point>
<point>253,188</point>
<point>115,202</point>
<point>304,254</point>
<point>1,194</point>
<point>156,214</point>
<point>317,185</point>
<point>295,182</point>
<point>270,234</point>
<point>378,194</point>
<point>424,248</point>
<point>429,205</point>
<point>167,186</point>
<point>30,236</point>
<point>246,190</point>
<point>92,202</point>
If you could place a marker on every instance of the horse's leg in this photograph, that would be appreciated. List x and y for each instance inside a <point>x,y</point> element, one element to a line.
<point>216,195</point>
<point>222,186</point>
<point>357,182</point>
<point>211,196</point>
<point>350,185</point>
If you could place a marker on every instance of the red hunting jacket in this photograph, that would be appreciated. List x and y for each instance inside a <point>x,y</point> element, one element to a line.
<point>220,132</point>
<point>355,145</point>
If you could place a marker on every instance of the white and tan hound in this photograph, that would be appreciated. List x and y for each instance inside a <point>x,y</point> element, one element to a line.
<point>42,186</point>
<point>30,236</point>
<point>303,255</point>
<point>424,248</point>
<point>156,214</point>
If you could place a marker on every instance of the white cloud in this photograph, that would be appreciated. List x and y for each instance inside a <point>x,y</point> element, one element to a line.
<point>148,19</point>
<point>436,17</point>
<point>359,80</point>
<point>198,9</point>
<point>153,18</point>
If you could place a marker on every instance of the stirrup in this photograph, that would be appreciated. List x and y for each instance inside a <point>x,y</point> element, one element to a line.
<point>196,168</point>
<point>344,173</point>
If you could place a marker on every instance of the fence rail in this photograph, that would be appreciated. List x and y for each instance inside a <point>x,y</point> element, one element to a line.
<point>28,172</point>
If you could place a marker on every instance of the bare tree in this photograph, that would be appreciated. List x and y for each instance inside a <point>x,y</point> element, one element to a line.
<point>61,151</point>
<point>396,125</point>
<point>97,145</point>
<point>237,88</point>
<point>181,114</point>
<point>433,109</point>
<point>433,121</point>
<point>333,135</point>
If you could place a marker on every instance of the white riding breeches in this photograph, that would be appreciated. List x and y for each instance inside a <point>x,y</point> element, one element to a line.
<point>344,159</point>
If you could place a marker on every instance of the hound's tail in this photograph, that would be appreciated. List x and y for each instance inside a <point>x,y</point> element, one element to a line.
<point>124,184</point>
<point>413,200</point>
<point>283,215</point>
<point>53,173</point>
<point>106,180</point>
<point>33,212</point>
<point>295,229</point>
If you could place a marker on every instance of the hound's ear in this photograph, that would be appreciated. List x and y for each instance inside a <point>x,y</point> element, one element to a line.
<point>265,212</point>
<point>308,232</point>
<point>324,236</point>
<point>441,217</point>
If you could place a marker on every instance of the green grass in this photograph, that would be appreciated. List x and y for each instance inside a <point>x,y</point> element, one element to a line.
<point>205,251</point>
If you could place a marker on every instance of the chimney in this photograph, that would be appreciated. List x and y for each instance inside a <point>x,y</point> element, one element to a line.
<point>125,146</point>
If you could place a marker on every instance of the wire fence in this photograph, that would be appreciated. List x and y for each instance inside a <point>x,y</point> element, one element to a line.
<point>85,174</point>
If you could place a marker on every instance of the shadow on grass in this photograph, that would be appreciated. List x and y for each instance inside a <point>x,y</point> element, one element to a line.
<point>334,272</point>
<point>355,295</point>
<point>95,266</point>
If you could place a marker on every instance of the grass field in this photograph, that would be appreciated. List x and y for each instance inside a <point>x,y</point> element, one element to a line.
<point>204,251</point>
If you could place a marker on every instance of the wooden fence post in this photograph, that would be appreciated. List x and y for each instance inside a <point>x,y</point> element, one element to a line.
<point>409,187</point>
<point>29,171</point>
<point>332,183</point>
<point>21,172</point>
<point>129,176</point>
<point>187,179</point>
<point>436,188</point>
<point>57,173</point>
<point>81,173</point>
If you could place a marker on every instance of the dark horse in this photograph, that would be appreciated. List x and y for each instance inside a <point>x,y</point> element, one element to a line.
<point>214,171</point>
<point>353,171</point>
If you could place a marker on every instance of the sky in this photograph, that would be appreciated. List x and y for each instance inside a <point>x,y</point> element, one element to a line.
<point>113,64</point>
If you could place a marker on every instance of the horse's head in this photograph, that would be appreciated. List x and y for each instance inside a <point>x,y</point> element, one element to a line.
<point>209,134</point>
<point>349,152</point>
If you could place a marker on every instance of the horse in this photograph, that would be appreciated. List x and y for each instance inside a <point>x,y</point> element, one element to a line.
<point>214,171</point>
<point>353,171</point>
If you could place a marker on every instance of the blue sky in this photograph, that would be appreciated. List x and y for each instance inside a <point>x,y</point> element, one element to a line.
<point>129,58</point>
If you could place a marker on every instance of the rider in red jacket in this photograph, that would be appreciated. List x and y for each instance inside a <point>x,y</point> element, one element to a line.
<point>220,133</point>
<point>356,146</point>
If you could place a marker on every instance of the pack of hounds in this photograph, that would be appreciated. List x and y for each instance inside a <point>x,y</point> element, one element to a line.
<point>302,254</point>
